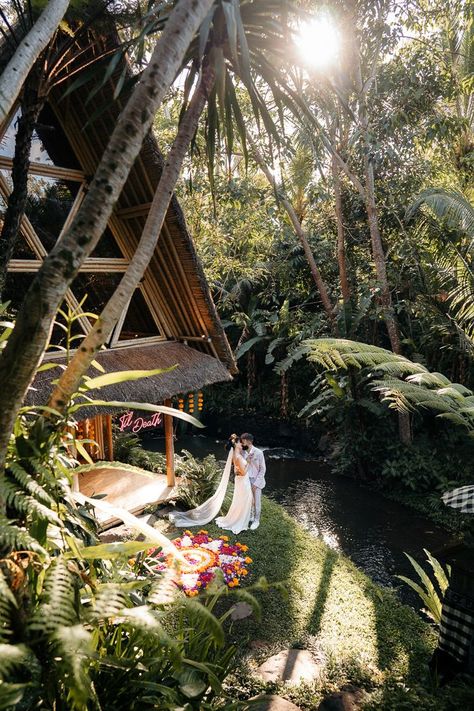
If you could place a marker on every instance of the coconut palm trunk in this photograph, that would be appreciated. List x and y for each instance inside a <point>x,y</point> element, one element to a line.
<point>300,233</point>
<point>31,106</point>
<point>103,327</point>
<point>28,51</point>
<point>35,319</point>
<point>341,241</point>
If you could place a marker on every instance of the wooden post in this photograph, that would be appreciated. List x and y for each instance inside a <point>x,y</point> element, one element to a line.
<point>109,438</point>
<point>169,447</point>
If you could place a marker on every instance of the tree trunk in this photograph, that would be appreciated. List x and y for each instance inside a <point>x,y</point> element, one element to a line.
<point>31,106</point>
<point>103,327</point>
<point>341,248</point>
<point>34,322</point>
<point>376,239</point>
<point>251,375</point>
<point>318,280</point>
<point>28,51</point>
<point>284,394</point>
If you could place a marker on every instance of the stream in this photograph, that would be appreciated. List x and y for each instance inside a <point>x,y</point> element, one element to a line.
<point>373,531</point>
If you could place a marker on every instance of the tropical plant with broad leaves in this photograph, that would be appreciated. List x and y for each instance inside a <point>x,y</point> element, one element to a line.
<point>431,596</point>
<point>76,620</point>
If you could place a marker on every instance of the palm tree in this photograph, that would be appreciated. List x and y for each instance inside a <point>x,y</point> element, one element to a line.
<point>228,47</point>
<point>27,342</point>
<point>456,263</point>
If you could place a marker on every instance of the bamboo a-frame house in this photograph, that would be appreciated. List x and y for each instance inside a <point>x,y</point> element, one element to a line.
<point>171,318</point>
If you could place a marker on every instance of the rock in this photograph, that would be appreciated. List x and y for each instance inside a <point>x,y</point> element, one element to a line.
<point>348,699</point>
<point>273,703</point>
<point>241,611</point>
<point>118,533</point>
<point>290,665</point>
<point>125,532</point>
<point>164,511</point>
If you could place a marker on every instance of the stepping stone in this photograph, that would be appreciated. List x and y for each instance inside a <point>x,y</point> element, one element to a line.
<point>273,703</point>
<point>290,665</point>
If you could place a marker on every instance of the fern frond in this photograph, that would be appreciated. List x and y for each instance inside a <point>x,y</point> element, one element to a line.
<point>7,602</point>
<point>12,656</point>
<point>340,353</point>
<point>30,484</point>
<point>14,538</point>
<point>25,504</point>
<point>73,645</point>
<point>450,205</point>
<point>57,607</point>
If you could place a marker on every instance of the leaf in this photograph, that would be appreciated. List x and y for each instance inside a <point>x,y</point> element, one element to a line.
<point>110,551</point>
<point>122,376</point>
<point>248,345</point>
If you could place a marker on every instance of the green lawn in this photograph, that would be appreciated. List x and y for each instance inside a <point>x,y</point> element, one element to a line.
<point>363,632</point>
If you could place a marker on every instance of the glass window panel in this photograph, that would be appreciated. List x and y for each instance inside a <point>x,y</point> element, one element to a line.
<point>7,144</point>
<point>48,205</point>
<point>16,286</point>
<point>139,322</point>
<point>49,143</point>
<point>107,247</point>
<point>97,287</point>
<point>21,249</point>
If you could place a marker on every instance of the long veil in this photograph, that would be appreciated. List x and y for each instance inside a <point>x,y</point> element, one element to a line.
<point>209,509</point>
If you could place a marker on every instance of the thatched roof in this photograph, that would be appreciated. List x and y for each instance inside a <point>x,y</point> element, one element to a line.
<point>193,371</point>
<point>174,289</point>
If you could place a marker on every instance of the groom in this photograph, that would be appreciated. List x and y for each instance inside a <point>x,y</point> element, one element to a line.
<point>256,470</point>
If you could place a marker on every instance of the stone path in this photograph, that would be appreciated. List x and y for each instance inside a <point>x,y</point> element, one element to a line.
<point>292,666</point>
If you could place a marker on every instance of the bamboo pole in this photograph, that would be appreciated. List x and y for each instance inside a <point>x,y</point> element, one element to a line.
<point>109,438</point>
<point>169,447</point>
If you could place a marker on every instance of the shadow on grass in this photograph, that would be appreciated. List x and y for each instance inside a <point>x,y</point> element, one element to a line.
<point>401,635</point>
<point>315,620</point>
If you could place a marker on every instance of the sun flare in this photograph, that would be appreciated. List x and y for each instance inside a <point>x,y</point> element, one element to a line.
<point>318,42</point>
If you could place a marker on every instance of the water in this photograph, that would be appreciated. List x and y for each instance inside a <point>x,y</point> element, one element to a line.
<point>372,530</point>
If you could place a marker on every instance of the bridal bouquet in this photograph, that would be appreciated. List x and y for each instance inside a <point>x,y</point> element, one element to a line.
<point>204,555</point>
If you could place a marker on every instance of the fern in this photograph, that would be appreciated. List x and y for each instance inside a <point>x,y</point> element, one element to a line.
<point>7,602</point>
<point>73,644</point>
<point>14,538</point>
<point>27,505</point>
<point>29,484</point>
<point>57,606</point>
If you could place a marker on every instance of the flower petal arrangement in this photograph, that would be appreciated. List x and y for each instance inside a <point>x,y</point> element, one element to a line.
<point>204,555</point>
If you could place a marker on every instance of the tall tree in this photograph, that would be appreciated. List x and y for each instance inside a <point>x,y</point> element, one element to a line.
<point>29,49</point>
<point>29,338</point>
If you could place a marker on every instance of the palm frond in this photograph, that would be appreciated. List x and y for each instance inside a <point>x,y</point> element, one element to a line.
<point>450,205</point>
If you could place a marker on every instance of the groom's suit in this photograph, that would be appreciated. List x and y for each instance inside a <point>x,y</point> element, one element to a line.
<point>256,469</point>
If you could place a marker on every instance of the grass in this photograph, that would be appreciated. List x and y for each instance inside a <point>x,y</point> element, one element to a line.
<point>362,632</point>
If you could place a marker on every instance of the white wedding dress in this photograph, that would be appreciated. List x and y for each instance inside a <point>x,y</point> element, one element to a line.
<point>238,516</point>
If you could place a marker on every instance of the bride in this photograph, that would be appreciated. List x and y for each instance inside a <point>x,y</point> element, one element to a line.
<point>238,516</point>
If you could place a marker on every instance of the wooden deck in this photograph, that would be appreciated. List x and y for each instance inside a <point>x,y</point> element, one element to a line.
<point>132,491</point>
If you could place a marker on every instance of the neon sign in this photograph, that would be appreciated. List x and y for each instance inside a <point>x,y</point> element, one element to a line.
<point>128,421</point>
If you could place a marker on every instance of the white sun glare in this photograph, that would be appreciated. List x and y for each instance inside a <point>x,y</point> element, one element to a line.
<point>318,42</point>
